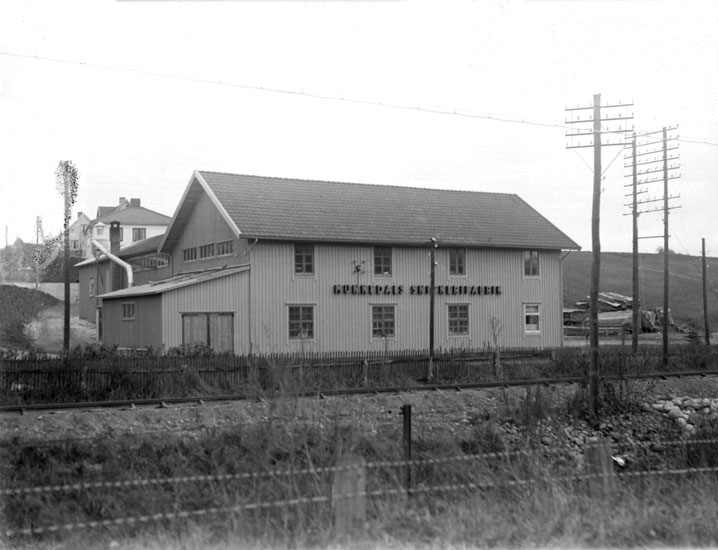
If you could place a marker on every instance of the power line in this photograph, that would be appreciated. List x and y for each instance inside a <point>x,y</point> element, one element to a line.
<point>434,110</point>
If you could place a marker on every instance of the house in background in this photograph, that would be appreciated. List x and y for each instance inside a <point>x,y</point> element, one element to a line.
<point>265,265</point>
<point>79,236</point>
<point>137,223</point>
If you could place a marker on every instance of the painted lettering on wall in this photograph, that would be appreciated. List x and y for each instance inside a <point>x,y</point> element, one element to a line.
<point>418,290</point>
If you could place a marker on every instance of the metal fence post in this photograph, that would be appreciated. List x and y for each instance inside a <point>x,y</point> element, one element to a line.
<point>406,413</point>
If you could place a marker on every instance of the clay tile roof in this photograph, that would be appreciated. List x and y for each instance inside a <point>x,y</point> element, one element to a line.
<point>291,209</point>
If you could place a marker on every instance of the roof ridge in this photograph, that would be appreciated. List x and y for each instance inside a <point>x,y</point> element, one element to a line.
<point>353,183</point>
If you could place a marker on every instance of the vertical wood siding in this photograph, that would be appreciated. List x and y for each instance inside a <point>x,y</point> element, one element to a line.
<point>343,322</point>
<point>205,225</point>
<point>88,303</point>
<point>142,332</point>
<point>228,294</point>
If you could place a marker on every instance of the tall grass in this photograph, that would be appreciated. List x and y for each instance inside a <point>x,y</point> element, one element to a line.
<point>459,495</point>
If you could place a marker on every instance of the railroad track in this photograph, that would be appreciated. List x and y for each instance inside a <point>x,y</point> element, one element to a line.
<point>170,401</point>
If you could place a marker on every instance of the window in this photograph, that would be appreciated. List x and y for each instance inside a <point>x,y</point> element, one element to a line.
<point>122,234</point>
<point>139,234</point>
<point>531,263</point>
<point>75,244</point>
<point>214,330</point>
<point>91,291</point>
<point>382,321</point>
<point>189,254</point>
<point>301,322</point>
<point>224,248</point>
<point>532,318</point>
<point>100,231</point>
<point>128,311</point>
<point>458,319</point>
<point>304,259</point>
<point>457,261</point>
<point>206,251</point>
<point>382,260</point>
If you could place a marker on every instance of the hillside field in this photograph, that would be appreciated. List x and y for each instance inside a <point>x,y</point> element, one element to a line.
<point>685,284</point>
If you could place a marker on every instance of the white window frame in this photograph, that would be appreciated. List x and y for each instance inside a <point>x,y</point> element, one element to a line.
<point>462,252</point>
<point>312,255</point>
<point>129,313</point>
<point>528,263</point>
<point>380,252</point>
<point>449,319</point>
<point>394,321</point>
<point>300,321</point>
<point>528,309</point>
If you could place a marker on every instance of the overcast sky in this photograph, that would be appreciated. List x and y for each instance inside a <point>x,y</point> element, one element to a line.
<point>139,94</point>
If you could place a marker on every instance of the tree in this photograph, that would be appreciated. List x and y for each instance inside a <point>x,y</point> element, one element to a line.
<point>66,177</point>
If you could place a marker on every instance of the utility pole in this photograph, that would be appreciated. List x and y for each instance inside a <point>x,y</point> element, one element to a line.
<point>706,328</point>
<point>596,133</point>
<point>432,284</point>
<point>38,234</point>
<point>654,160</point>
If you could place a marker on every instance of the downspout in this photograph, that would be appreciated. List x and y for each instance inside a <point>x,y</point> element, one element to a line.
<point>249,292</point>
<point>121,263</point>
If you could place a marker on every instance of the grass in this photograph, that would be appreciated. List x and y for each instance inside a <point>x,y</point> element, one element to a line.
<point>549,511</point>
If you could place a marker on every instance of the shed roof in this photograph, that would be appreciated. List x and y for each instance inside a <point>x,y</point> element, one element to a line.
<point>175,282</point>
<point>310,210</point>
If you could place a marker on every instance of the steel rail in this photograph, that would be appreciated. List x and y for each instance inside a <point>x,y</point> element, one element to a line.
<point>164,403</point>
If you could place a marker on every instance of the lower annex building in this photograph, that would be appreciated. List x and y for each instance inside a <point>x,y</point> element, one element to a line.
<point>271,265</point>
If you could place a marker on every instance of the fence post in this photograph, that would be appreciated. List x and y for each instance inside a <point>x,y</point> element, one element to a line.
<point>406,413</point>
<point>599,466</point>
<point>365,372</point>
<point>349,495</point>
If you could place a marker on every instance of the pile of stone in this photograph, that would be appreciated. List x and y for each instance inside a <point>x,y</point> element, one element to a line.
<point>689,413</point>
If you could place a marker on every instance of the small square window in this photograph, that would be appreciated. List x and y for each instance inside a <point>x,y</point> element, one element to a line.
<point>457,261</point>
<point>382,260</point>
<point>383,321</point>
<point>301,322</point>
<point>458,319</point>
<point>91,291</point>
<point>531,263</point>
<point>139,233</point>
<point>304,259</point>
<point>128,311</point>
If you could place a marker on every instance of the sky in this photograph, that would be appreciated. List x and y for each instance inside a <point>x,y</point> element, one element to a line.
<point>449,95</point>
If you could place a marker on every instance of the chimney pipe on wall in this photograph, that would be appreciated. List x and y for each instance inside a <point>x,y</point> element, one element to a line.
<point>115,271</point>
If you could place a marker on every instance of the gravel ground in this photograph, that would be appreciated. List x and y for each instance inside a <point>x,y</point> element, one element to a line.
<point>454,413</point>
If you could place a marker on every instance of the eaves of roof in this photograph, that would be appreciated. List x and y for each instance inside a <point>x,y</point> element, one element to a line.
<point>320,211</point>
<point>175,282</point>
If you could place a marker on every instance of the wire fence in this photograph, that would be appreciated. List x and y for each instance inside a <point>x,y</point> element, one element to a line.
<point>313,486</point>
<point>122,377</point>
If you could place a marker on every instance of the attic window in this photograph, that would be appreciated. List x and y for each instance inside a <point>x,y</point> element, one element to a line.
<point>206,251</point>
<point>304,259</point>
<point>189,254</point>
<point>224,248</point>
<point>382,260</point>
<point>531,263</point>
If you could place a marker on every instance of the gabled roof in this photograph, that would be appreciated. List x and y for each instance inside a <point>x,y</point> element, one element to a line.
<point>308,210</point>
<point>175,282</point>
<point>133,215</point>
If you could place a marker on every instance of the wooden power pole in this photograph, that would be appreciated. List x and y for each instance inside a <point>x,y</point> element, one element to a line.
<point>706,326</point>
<point>596,132</point>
